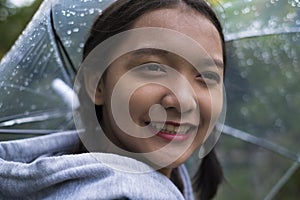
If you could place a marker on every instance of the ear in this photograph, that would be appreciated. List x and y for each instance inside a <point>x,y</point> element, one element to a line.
<point>94,89</point>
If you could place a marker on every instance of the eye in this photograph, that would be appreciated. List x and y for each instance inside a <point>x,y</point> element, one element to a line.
<point>152,68</point>
<point>209,78</point>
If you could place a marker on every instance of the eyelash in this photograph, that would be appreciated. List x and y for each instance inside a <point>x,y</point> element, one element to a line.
<point>208,77</point>
<point>153,67</point>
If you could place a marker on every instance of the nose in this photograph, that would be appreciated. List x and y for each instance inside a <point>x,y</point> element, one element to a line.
<point>181,99</point>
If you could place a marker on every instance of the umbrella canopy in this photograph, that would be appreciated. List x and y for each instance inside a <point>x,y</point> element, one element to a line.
<point>37,74</point>
<point>258,150</point>
<point>263,96</point>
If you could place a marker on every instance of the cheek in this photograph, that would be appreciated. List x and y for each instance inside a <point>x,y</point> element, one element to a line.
<point>142,99</point>
<point>210,105</point>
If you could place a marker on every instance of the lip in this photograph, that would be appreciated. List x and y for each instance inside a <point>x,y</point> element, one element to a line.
<point>175,123</point>
<point>178,137</point>
<point>173,137</point>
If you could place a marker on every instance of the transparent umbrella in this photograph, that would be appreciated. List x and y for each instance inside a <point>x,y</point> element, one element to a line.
<point>259,147</point>
<point>263,95</point>
<point>37,74</point>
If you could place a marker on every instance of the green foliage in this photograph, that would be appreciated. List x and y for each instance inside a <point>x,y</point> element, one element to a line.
<point>13,20</point>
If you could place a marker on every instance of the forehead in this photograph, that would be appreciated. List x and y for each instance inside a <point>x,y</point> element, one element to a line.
<point>189,22</point>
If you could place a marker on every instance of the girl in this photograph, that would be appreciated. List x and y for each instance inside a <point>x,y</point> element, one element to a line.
<point>152,73</point>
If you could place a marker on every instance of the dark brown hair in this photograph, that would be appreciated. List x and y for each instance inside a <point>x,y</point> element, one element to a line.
<point>119,17</point>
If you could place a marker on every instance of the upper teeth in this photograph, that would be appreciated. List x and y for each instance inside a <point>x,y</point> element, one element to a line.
<point>170,128</point>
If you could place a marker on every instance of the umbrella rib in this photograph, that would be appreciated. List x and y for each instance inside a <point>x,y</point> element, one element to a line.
<point>282,181</point>
<point>61,48</point>
<point>31,119</point>
<point>236,133</point>
<point>259,33</point>
<point>28,131</point>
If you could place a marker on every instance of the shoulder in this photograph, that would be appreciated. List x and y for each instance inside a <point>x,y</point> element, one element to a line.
<point>33,167</point>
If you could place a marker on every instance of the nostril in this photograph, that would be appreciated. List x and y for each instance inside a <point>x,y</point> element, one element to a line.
<point>170,101</point>
<point>184,103</point>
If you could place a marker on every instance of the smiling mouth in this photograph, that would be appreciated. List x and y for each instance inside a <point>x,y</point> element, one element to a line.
<point>171,128</point>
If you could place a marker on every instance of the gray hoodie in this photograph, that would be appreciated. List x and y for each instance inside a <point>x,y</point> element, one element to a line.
<point>54,167</point>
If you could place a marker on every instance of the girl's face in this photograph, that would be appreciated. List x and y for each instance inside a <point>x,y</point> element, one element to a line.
<point>189,114</point>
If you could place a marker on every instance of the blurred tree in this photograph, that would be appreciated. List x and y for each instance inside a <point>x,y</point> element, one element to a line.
<point>290,190</point>
<point>13,20</point>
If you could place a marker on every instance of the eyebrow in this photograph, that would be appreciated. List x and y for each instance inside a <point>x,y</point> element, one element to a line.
<point>212,62</point>
<point>159,52</point>
<point>150,51</point>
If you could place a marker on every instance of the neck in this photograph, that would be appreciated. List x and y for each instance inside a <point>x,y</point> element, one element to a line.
<point>166,171</point>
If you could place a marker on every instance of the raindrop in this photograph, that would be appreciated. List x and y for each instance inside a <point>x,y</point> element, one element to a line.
<point>21,88</point>
<point>236,12</point>
<point>244,74</point>
<point>3,14</point>
<point>33,107</point>
<point>288,75</point>
<point>76,30</point>
<point>294,3</point>
<point>291,16</point>
<point>14,73</point>
<point>69,32</point>
<point>273,1</point>
<point>250,62</point>
<point>279,123</point>
<point>245,111</point>
<point>288,98</point>
<point>82,15</point>
<point>71,22</point>
<point>266,57</point>
<point>67,43</point>
<point>275,53</point>
<point>246,10</point>
<point>91,11</point>
<point>246,98</point>
<point>240,55</point>
<point>1,104</point>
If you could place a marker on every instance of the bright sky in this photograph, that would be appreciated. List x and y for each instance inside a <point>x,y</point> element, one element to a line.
<point>20,3</point>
